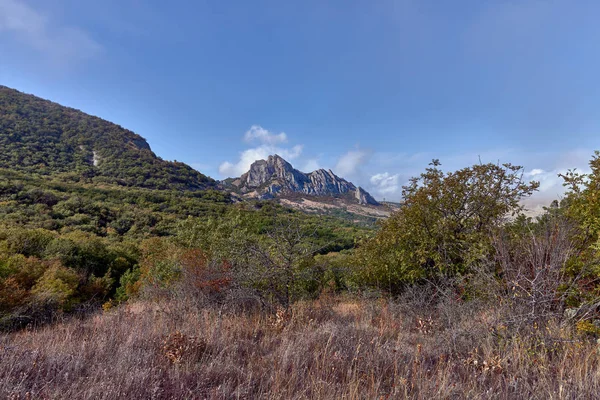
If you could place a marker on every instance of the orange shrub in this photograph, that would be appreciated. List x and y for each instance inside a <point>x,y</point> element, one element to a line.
<point>206,275</point>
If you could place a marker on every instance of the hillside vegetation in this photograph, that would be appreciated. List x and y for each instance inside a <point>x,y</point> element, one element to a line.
<point>151,285</point>
<point>65,247</point>
<point>41,137</point>
<point>84,201</point>
<point>448,299</point>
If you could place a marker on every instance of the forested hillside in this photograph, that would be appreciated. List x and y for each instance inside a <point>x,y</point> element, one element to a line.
<point>41,137</point>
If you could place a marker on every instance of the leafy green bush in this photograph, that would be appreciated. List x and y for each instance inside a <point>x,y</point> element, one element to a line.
<point>56,286</point>
<point>129,285</point>
<point>443,227</point>
<point>29,242</point>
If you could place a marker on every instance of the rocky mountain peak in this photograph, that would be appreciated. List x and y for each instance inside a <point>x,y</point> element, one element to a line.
<point>277,159</point>
<point>275,176</point>
<point>274,170</point>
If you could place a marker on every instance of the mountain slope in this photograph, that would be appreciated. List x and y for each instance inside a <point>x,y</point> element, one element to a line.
<point>42,137</point>
<point>275,177</point>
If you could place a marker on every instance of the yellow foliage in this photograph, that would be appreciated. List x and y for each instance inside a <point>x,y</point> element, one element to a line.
<point>57,284</point>
<point>588,327</point>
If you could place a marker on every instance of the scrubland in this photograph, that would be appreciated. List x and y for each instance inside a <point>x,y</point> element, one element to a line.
<point>456,295</point>
<point>422,345</point>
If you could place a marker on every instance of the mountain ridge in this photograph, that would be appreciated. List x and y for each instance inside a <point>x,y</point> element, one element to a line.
<point>43,137</point>
<point>275,176</point>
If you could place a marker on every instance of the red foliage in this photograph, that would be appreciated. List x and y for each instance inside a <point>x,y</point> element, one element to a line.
<point>206,275</point>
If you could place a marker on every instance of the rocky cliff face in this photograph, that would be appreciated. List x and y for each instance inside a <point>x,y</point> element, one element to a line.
<point>364,197</point>
<point>275,176</point>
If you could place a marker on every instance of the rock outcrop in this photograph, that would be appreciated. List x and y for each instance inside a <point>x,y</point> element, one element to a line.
<point>275,176</point>
<point>364,197</point>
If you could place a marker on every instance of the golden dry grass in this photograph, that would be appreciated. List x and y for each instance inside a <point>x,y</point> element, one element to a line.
<point>331,348</point>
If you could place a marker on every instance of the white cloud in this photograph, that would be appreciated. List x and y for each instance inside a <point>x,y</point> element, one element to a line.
<point>539,166</point>
<point>551,184</point>
<point>349,163</point>
<point>247,157</point>
<point>548,179</point>
<point>268,147</point>
<point>258,133</point>
<point>551,187</point>
<point>59,44</point>
<point>385,184</point>
<point>535,172</point>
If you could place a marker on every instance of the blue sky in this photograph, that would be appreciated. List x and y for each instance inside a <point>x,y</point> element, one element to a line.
<point>371,89</point>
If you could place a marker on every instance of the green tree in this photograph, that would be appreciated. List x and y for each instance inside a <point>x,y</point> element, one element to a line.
<point>443,226</point>
<point>271,252</point>
<point>582,200</point>
<point>582,205</point>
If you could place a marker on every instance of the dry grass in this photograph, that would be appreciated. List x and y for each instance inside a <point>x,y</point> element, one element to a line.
<point>333,348</point>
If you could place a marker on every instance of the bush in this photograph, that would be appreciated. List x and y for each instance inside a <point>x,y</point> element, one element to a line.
<point>12,294</point>
<point>159,264</point>
<point>82,251</point>
<point>272,254</point>
<point>56,286</point>
<point>28,242</point>
<point>206,277</point>
<point>129,285</point>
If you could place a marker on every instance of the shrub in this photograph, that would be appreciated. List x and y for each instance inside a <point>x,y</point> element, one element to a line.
<point>82,251</point>
<point>97,287</point>
<point>29,242</point>
<point>205,276</point>
<point>129,285</point>
<point>12,294</point>
<point>272,254</point>
<point>532,261</point>
<point>159,263</point>
<point>56,286</point>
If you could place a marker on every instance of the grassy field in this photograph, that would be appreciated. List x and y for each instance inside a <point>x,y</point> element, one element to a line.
<point>331,348</point>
